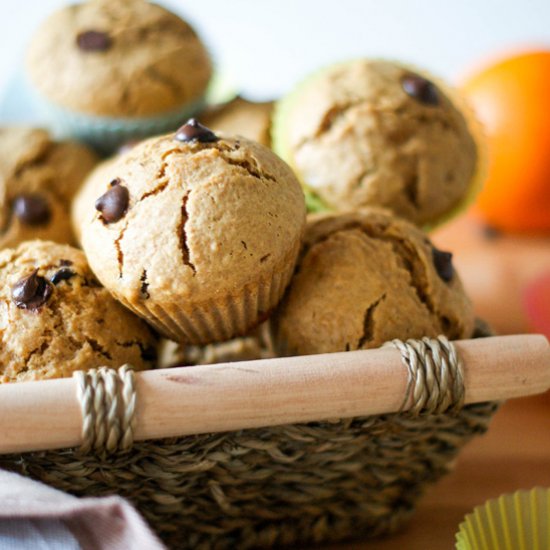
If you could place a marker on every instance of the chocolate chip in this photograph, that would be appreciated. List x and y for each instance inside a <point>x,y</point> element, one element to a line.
<point>193,130</point>
<point>64,274</point>
<point>65,263</point>
<point>93,41</point>
<point>114,203</point>
<point>148,353</point>
<point>31,292</point>
<point>443,262</point>
<point>32,209</point>
<point>420,89</point>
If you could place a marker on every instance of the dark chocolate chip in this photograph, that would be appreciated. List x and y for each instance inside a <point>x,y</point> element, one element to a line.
<point>421,89</point>
<point>93,41</point>
<point>65,263</point>
<point>114,203</point>
<point>31,292</point>
<point>64,274</point>
<point>193,130</point>
<point>148,353</point>
<point>32,209</point>
<point>443,262</point>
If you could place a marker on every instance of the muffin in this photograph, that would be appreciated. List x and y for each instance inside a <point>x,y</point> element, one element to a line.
<point>256,345</point>
<point>107,71</point>
<point>195,232</point>
<point>364,278</point>
<point>55,318</point>
<point>241,117</point>
<point>88,193</point>
<point>38,179</point>
<point>376,133</point>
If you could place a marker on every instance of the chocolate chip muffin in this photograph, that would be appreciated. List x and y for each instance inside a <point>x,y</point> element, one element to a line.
<point>38,179</point>
<point>241,117</point>
<point>90,191</point>
<point>195,232</point>
<point>376,133</point>
<point>55,318</point>
<point>365,278</point>
<point>107,71</point>
<point>120,58</point>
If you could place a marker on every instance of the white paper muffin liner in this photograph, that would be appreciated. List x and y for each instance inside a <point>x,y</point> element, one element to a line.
<point>224,316</point>
<point>518,521</point>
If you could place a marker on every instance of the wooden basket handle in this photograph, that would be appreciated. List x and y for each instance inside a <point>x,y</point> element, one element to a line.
<point>231,396</point>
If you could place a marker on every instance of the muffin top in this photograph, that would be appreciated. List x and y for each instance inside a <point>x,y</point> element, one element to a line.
<point>365,278</point>
<point>55,318</point>
<point>38,179</point>
<point>249,119</point>
<point>121,58</point>
<point>376,133</point>
<point>189,215</point>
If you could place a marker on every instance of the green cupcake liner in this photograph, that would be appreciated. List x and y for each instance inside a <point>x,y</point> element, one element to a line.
<point>314,203</point>
<point>280,143</point>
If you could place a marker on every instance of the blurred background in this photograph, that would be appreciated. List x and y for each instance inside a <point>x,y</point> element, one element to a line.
<point>266,46</point>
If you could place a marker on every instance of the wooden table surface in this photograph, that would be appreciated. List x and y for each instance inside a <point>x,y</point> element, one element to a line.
<point>514,454</point>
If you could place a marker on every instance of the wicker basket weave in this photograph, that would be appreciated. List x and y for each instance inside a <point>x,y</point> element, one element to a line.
<point>277,486</point>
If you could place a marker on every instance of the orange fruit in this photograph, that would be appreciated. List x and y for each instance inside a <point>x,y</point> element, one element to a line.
<point>511,98</point>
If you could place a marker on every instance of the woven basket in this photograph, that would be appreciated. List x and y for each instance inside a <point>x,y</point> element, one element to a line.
<point>278,486</point>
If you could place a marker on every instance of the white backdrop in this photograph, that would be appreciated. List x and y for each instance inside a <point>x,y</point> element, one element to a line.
<point>266,45</point>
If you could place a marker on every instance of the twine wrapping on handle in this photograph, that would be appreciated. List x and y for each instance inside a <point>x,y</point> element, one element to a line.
<point>362,474</point>
<point>108,400</point>
<point>108,403</point>
<point>436,380</point>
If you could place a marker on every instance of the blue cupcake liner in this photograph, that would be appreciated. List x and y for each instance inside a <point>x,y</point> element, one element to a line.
<point>21,103</point>
<point>106,134</point>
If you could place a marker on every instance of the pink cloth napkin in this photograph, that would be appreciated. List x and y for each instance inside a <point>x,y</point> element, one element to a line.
<point>33,515</point>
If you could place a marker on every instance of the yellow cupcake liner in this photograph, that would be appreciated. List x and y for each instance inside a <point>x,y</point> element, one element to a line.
<point>224,316</point>
<point>283,110</point>
<point>518,521</point>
